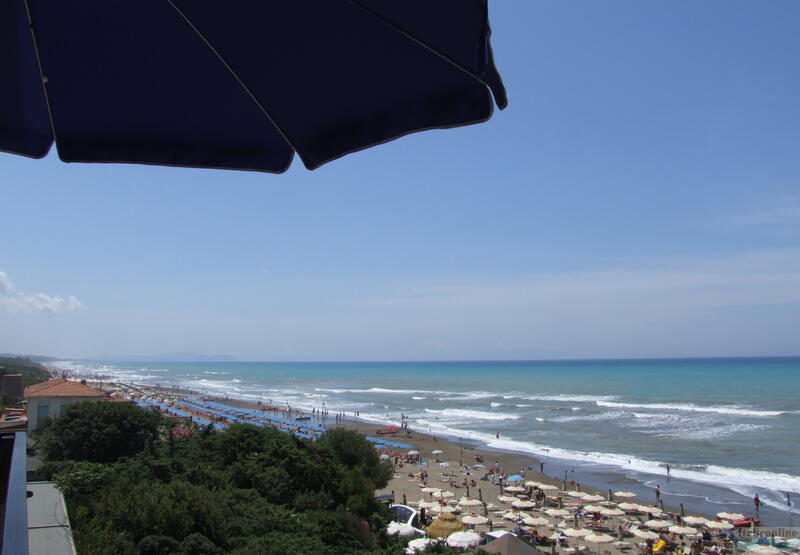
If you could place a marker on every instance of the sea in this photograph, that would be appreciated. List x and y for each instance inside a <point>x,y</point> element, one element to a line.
<point>729,428</point>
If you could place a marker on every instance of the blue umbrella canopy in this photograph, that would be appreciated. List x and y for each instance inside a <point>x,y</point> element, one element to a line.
<point>242,84</point>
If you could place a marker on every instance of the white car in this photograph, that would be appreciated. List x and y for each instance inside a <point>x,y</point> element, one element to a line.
<point>407,515</point>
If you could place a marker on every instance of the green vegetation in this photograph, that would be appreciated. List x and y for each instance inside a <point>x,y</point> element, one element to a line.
<point>32,372</point>
<point>245,490</point>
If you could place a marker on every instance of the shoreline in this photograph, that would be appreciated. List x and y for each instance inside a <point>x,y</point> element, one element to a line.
<point>593,477</point>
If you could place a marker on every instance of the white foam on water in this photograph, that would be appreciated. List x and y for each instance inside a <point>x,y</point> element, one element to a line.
<point>384,390</point>
<point>708,433</point>
<point>736,410</point>
<point>419,398</point>
<point>495,405</point>
<point>562,398</point>
<point>473,414</point>
<point>611,415</point>
<point>712,474</point>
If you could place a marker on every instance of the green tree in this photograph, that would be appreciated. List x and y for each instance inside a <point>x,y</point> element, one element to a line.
<point>99,432</point>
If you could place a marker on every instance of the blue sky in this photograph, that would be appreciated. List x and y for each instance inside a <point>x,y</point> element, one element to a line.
<point>640,196</point>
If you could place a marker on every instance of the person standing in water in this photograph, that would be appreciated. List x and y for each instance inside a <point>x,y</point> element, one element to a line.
<point>658,494</point>
<point>757,503</point>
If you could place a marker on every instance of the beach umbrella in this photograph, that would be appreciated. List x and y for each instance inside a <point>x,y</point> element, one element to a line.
<point>444,525</point>
<point>437,452</point>
<point>557,512</point>
<point>469,502</point>
<point>548,487</point>
<point>384,457</point>
<point>574,493</point>
<point>514,489</point>
<point>427,504</point>
<point>514,515</point>
<point>592,498</point>
<point>599,538</point>
<point>400,529</point>
<point>535,521</point>
<point>645,534</point>
<point>650,509</point>
<point>722,525</point>
<point>696,520</point>
<point>464,539</point>
<point>443,494</point>
<point>577,532</point>
<point>730,516</point>
<point>763,549</point>
<point>679,529</point>
<point>419,544</point>
<point>522,504</point>
<point>629,507</point>
<point>658,524</point>
<point>506,499</point>
<point>612,512</point>
<point>515,478</point>
<point>430,489</point>
<point>593,508</point>
<point>624,494</point>
<point>442,509</point>
<point>474,519</point>
<point>245,87</point>
<point>532,484</point>
<point>413,452</point>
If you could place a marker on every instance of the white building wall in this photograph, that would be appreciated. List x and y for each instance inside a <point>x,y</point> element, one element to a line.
<point>40,408</point>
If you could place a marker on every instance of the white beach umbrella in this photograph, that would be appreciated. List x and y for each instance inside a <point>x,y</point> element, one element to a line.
<point>696,520</point>
<point>418,544</point>
<point>548,487</point>
<point>514,515</point>
<point>593,508</point>
<point>469,502</point>
<point>573,493</point>
<point>522,504</point>
<point>629,507</point>
<point>577,532</point>
<point>722,525</point>
<point>474,519</point>
<point>612,512</point>
<point>400,529</point>
<point>430,489</point>
<point>514,489</point>
<point>532,484</point>
<point>645,534</point>
<point>624,494</point>
<point>678,529</point>
<point>437,452</point>
<point>413,452</point>
<point>763,549</point>
<point>443,509</point>
<point>658,524</point>
<point>730,516</point>
<point>650,509</point>
<point>506,499</point>
<point>592,498</point>
<point>535,521</point>
<point>464,539</point>
<point>599,538</point>
<point>427,504</point>
<point>443,494</point>
<point>557,512</point>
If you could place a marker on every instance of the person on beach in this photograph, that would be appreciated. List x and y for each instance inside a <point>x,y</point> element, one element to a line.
<point>541,467</point>
<point>667,465</point>
<point>658,493</point>
<point>757,502</point>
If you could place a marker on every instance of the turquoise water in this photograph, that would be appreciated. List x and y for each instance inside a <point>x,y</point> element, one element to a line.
<point>728,428</point>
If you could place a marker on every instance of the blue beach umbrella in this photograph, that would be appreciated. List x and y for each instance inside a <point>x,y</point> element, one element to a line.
<point>238,85</point>
<point>515,478</point>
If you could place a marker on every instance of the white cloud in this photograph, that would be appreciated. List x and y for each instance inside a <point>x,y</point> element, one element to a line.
<point>6,286</point>
<point>782,211</point>
<point>15,301</point>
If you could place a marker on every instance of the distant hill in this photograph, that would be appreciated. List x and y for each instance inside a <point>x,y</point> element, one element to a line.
<point>176,357</point>
<point>34,358</point>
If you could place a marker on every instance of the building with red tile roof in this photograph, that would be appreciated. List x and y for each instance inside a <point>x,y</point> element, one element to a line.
<point>48,399</point>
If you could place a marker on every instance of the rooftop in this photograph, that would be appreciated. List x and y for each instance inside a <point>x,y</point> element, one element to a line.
<point>48,525</point>
<point>60,387</point>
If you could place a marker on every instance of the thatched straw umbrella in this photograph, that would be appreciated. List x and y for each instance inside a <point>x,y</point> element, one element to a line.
<point>444,525</point>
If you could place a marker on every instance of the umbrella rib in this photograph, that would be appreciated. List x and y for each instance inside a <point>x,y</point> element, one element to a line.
<point>235,75</point>
<point>42,76</point>
<point>430,48</point>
